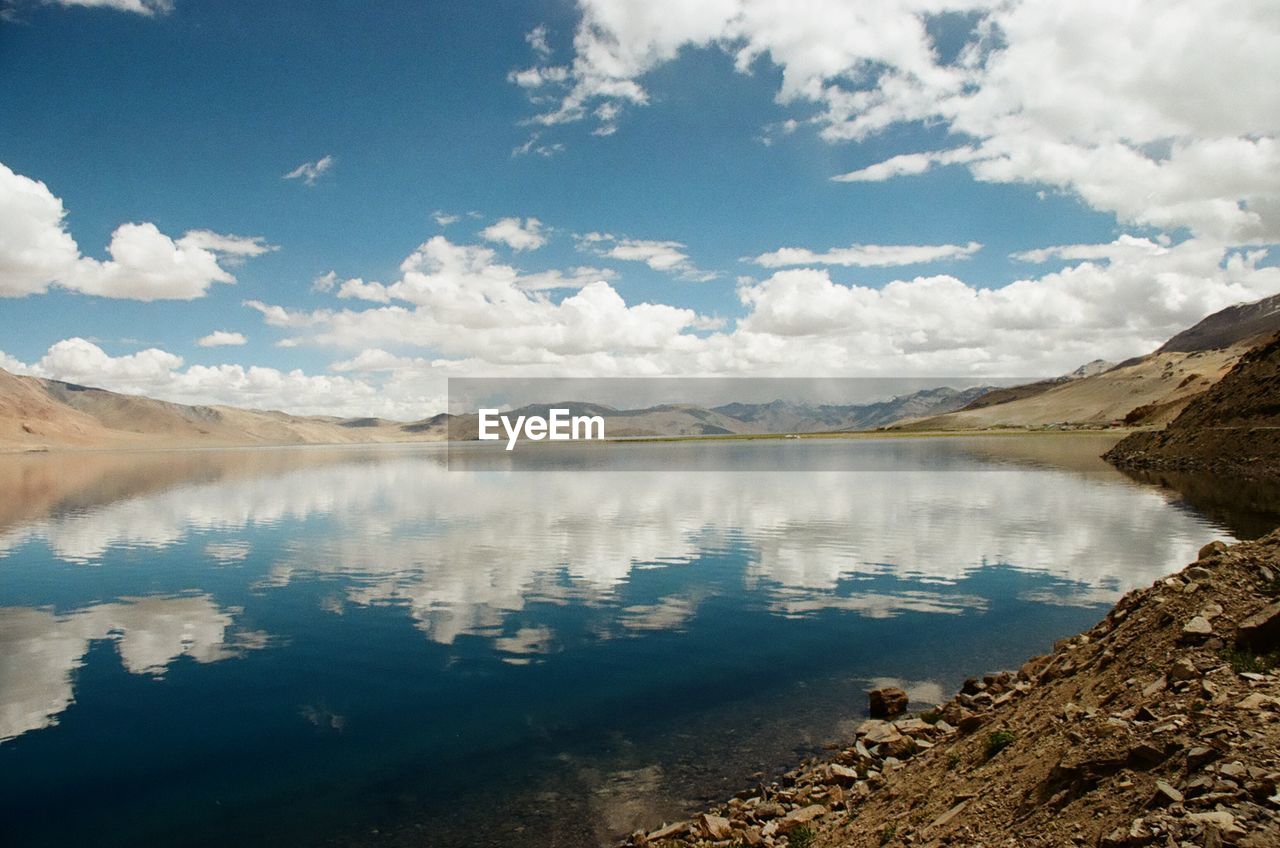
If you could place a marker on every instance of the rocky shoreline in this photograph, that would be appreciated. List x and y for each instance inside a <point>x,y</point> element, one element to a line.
<point>1158,726</point>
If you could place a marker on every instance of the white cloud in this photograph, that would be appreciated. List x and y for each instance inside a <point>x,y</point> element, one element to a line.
<point>538,77</point>
<point>309,172</point>
<point>458,300</point>
<point>1131,107</point>
<point>456,311</point>
<point>222,338</point>
<point>324,282</point>
<point>907,164</point>
<point>869,255</point>
<point>517,235</point>
<point>146,264</point>
<point>444,219</point>
<point>1126,305</point>
<point>534,145</point>
<point>666,256</point>
<point>537,38</point>
<point>159,374</point>
<point>1124,247</point>
<point>36,251</point>
<point>141,7</point>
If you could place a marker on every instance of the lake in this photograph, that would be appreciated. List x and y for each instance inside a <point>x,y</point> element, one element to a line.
<point>378,647</point>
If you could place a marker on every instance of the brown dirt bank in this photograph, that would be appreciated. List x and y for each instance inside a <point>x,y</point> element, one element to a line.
<point>1159,726</point>
<point>1234,426</point>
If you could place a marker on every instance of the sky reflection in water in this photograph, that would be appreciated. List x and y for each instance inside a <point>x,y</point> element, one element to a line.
<point>275,645</point>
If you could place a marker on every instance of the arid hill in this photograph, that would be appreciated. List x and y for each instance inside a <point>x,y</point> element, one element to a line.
<point>1235,425</point>
<point>36,413</point>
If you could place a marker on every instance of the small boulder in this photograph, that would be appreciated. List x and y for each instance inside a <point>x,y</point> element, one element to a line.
<point>1257,702</point>
<point>878,732</point>
<point>841,775</point>
<point>889,701</point>
<point>1217,546</point>
<point>1165,794</point>
<point>1261,631</point>
<point>668,831</point>
<point>1183,669</point>
<point>716,827</point>
<point>804,815</point>
<point>900,748</point>
<point>1197,629</point>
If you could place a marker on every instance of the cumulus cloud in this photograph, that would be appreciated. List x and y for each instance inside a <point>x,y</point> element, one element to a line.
<point>456,311</point>
<point>869,255</point>
<point>222,338</point>
<point>460,300</point>
<point>160,374</point>
<point>309,172</point>
<point>36,251</point>
<point>1125,304</point>
<point>1081,97</point>
<point>666,256</point>
<point>516,234</point>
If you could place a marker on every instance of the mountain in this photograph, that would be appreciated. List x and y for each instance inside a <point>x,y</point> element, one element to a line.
<point>1146,390</point>
<point>779,416</point>
<point>783,417</point>
<point>1234,425</point>
<point>1231,326</point>
<point>36,413</point>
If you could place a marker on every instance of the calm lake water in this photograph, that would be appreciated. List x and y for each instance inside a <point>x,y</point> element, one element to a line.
<point>363,647</point>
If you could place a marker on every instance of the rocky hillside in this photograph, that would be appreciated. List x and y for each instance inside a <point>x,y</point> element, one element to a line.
<point>1234,426</point>
<point>1229,327</point>
<point>1160,726</point>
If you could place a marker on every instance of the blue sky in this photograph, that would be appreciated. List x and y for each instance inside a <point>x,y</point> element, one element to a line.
<point>699,140</point>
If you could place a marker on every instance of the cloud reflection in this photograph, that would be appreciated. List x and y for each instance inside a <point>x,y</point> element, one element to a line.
<point>463,550</point>
<point>40,650</point>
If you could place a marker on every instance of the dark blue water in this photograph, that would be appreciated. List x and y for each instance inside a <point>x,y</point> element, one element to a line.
<point>361,647</point>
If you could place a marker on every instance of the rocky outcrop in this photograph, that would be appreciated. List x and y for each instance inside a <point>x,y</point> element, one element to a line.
<point>890,701</point>
<point>1234,426</point>
<point>1159,726</point>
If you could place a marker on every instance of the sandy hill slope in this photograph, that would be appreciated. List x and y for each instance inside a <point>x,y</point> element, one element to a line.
<point>1234,425</point>
<point>37,413</point>
<point>1160,726</point>
<point>1148,390</point>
